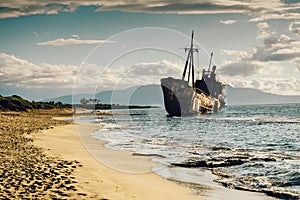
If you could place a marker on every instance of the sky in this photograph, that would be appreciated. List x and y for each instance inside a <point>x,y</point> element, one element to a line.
<point>54,48</point>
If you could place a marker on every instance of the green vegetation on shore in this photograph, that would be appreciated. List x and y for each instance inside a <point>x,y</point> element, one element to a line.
<point>17,103</point>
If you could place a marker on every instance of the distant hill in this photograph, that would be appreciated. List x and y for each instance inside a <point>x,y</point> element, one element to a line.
<point>68,98</point>
<point>138,95</point>
<point>152,95</point>
<point>248,96</point>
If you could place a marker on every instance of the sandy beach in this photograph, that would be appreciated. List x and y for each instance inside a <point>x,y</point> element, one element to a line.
<point>25,170</point>
<point>100,181</point>
<point>113,174</point>
<point>45,157</point>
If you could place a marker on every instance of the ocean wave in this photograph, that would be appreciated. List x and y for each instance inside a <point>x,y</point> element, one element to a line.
<point>255,120</point>
<point>247,149</point>
<point>259,184</point>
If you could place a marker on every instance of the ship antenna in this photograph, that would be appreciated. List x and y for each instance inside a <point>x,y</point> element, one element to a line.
<point>211,55</point>
<point>198,63</point>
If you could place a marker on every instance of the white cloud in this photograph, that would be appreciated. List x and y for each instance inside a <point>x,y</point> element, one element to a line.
<point>75,36</point>
<point>162,68</point>
<point>22,73</point>
<point>71,41</point>
<point>276,47</point>
<point>236,53</point>
<point>253,69</point>
<point>140,74</point>
<point>121,77</point>
<point>282,86</point>
<point>275,16</point>
<point>262,25</point>
<point>265,59</point>
<point>19,72</point>
<point>227,21</point>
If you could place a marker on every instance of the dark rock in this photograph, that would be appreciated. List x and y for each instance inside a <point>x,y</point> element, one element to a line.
<point>201,163</point>
<point>219,148</point>
<point>267,159</point>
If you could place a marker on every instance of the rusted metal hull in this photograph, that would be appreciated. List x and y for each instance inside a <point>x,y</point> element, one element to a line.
<point>182,99</point>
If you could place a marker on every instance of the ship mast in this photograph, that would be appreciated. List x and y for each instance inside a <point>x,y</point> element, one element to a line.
<point>189,63</point>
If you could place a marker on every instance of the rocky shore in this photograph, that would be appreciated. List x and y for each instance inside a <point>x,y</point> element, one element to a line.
<point>25,170</point>
<point>221,158</point>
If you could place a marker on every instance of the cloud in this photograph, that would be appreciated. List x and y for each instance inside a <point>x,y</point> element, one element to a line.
<point>140,74</point>
<point>21,73</point>
<point>270,16</point>
<point>162,68</point>
<point>265,59</point>
<point>71,41</point>
<point>276,47</point>
<point>16,8</point>
<point>75,36</point>
<point>286,86</point>
<point>240,68</point>
<point>235,53</point>
<point>168,7</point>
<point>263,25</point>
<point>260,10</point>
<point>227,21</point>
<point>248,67</point>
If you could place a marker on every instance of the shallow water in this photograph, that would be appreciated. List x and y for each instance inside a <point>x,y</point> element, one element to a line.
<point>252,148</point>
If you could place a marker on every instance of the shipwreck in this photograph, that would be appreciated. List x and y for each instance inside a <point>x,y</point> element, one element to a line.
<point>187,96</point>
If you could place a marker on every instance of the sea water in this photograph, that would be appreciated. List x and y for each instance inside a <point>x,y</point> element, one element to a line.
<point>252,147</point>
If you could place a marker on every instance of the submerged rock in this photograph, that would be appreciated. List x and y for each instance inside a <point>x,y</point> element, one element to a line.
<point>201,163</point>
<point>210,164</point>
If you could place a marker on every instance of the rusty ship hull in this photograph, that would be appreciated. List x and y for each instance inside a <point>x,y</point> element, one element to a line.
<point>182,99</point>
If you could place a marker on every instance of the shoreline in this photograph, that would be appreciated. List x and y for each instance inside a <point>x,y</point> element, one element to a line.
<point>105,161</point>
<point>99,181</point>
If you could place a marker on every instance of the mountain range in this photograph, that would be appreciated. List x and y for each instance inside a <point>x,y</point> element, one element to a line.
<point>152,95</point>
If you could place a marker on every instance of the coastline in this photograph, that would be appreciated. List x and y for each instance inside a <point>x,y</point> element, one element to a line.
<point>99,181</point>
<point>99,178</point>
